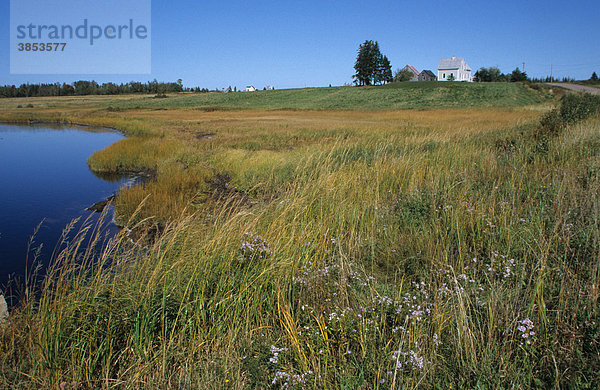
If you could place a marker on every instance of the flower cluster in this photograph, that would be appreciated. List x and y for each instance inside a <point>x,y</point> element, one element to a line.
<point>415,305</point>
<point>290,381</point>
<point>501,265</point>
<point>526,328</point>
<point>308,277</point>
<point>410,360</point>
<point>253,247</point>
<point>275,351</point>
<point>461,285</point>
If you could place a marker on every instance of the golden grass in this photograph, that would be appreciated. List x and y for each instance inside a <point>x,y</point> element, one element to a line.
<point>257,149</point>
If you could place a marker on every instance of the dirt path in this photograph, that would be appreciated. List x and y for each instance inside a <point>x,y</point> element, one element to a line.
<point>578,88</point>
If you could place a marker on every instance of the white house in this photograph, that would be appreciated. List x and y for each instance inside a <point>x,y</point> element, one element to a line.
<point>457,67</point>
<point>250,88</point>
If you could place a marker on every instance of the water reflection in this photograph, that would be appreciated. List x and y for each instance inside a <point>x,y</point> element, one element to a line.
<point>44,178</point>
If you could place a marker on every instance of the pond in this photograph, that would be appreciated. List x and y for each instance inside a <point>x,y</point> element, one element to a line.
<point>45,181</point>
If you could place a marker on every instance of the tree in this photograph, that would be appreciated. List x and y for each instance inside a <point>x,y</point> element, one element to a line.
<point>451,77</point>
<point>594,77</point>
<point>83,87</point>
<point>517,75</point>
<point>385,69</point>
<point>502,78</point>
<point>68,90</point>
<point>481,76</point>
<point>371,66</point>
<point>110,88</point>
<point>489,75</point>
<point>366,62</point>
<point>403,75</point>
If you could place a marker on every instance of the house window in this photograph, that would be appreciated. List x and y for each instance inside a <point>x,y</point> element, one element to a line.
<point>444,75</point>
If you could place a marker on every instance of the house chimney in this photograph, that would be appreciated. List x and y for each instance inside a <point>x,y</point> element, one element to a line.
<point>453,57</point>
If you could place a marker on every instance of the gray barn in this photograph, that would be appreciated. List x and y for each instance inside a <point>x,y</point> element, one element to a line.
<point>427,75</point>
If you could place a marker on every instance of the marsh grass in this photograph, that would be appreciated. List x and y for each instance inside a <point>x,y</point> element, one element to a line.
<point>392,250</point>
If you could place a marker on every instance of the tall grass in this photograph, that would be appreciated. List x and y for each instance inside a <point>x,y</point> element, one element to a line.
<point>457,251</point>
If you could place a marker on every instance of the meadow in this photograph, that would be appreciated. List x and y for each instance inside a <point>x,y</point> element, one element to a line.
<point>362,240</point>
<point>391,97</point>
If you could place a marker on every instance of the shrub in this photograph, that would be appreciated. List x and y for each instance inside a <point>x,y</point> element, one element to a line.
<point>551,123</point>
<point>573,108</point>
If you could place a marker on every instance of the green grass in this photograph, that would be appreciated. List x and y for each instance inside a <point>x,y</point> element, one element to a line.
<point>422,95</point>
<point>395,96</point>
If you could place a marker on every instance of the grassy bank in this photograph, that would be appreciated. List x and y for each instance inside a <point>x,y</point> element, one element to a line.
<point>423,95</point>
<point>323,249</point>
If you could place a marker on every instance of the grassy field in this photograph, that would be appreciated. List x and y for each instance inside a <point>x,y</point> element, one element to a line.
<point>424,95</point>
<point>452,247</point>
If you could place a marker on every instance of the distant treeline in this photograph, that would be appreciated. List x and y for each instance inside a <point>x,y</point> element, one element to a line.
<point>79,88</point>
<point>549,79</point>
<point>494,75</point>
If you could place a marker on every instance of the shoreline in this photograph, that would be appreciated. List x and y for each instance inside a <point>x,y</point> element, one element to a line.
<point>61,123</point>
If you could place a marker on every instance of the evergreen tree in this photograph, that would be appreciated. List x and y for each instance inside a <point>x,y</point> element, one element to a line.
<point>594,77</point>
<point>517,75</point>
<point>366,63</point>
<point>385,70</point>
<point>371,66</point>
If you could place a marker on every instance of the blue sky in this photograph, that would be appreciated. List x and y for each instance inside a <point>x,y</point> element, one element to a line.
<point>313,43</point>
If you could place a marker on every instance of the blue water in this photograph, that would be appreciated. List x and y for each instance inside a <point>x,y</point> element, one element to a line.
<point>44,177</point>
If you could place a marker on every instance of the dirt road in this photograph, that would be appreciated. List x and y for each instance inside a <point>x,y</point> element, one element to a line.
<point>578,88</point>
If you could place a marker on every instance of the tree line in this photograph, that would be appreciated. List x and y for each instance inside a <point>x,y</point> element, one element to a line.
<point>494,75</point>
<point>83,87</point>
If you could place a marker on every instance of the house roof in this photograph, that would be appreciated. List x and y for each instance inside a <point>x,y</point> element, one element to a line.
<point>412,69</point>
<point>452,63</point>
<point>428,73</point>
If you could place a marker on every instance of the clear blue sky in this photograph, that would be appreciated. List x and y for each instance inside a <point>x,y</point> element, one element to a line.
<point>313,43</point>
